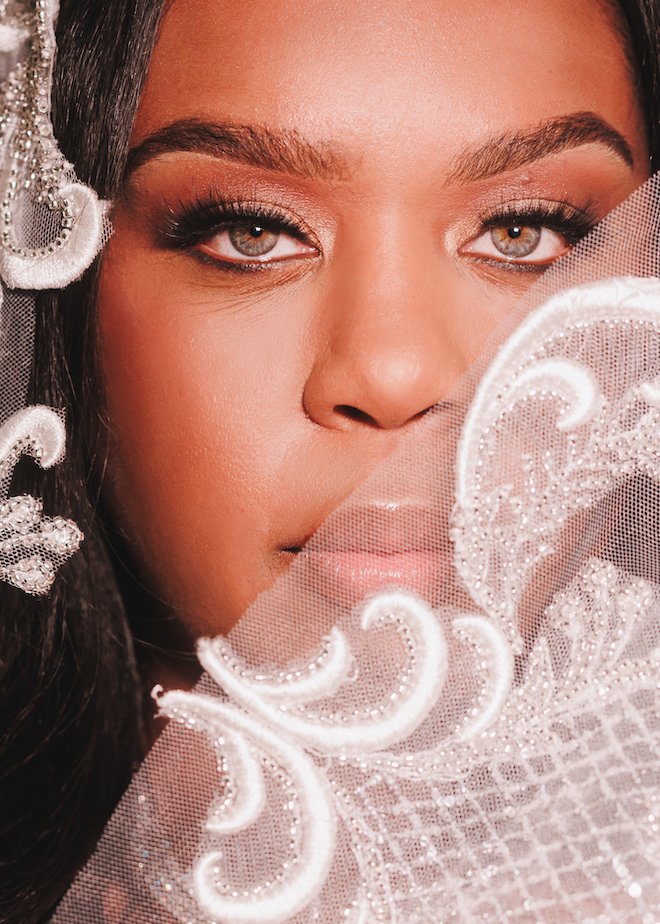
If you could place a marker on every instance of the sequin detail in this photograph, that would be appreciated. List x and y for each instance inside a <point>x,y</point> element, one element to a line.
<point>32,546</point>
<point>52,225</point>
<point>534,798</point>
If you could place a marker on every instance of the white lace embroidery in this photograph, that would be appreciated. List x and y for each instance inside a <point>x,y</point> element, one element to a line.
<point>285,707</point>
<point>32,546</point>
<point>52,229</point>
<point>581,663</point>
<point>599,442</point>
<point>437,764</point>
<point>53,226</point>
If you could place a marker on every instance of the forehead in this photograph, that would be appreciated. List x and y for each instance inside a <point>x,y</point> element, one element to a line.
<point>401,73</point>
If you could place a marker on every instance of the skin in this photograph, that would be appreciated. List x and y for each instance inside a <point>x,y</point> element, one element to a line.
<point>243,407</point>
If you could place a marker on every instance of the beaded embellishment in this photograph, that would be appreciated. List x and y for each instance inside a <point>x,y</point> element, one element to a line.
<point>52,229</point>
<point>52,225</point>
<point>529,799</point>
<point>32,546</point>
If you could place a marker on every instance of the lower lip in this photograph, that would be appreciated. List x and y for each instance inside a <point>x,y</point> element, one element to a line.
<point>354,574</point>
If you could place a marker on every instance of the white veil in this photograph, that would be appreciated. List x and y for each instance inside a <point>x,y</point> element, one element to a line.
<point>466,728</point>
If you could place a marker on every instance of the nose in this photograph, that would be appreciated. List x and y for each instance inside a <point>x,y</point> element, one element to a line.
<point>388,351</point>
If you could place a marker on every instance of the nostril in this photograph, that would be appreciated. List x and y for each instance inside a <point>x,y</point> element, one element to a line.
<point>354,413</point>
<point>349,412</point>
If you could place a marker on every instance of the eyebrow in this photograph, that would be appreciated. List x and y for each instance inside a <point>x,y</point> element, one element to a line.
<point>288,152</point>
<point>247,144</point>
<point>516,149</point>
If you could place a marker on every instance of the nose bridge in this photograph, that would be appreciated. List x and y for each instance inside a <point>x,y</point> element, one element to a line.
<point>389,353</point>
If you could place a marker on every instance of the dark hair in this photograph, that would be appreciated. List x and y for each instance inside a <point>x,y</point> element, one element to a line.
<point>71,718</point>
<point>642,18</point>
<point>71,733</point>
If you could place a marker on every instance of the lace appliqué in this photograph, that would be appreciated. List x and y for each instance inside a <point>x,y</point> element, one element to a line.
<point>277,721</point>
<point>530,802</point>
<point>32,546</point>
<point>53,226</point>
<point>522,495</point>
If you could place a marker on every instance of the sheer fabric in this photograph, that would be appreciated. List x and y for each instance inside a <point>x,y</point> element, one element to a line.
<point>448,709</point>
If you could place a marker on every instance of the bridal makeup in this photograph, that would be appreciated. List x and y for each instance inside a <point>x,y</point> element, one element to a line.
<point>327,213</point>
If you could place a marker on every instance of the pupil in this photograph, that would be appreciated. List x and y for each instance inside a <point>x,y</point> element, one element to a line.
<point>514,232</point>
<point>256,231</point>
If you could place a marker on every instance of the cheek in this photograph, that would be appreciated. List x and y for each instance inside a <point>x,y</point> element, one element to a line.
<point>202,413</point>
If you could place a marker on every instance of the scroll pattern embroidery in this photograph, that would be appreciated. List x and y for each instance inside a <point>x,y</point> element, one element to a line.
<point>32,546</point>
<point>502,530</point>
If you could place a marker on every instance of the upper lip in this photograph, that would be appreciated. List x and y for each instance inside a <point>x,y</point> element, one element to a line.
<point>388,527</point>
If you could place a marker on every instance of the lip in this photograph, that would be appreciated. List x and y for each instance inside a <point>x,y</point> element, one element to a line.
<point>352,575</point>
<point>377,545</point>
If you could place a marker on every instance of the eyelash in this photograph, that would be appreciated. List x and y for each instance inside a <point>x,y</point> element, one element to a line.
<point>560,217</point>
<point>199,220</point>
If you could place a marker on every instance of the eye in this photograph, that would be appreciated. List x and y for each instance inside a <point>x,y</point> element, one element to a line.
<point>519,243</point>
<point>252,242</point>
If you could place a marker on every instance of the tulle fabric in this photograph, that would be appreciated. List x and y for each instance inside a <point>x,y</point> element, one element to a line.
<point>447,711</point>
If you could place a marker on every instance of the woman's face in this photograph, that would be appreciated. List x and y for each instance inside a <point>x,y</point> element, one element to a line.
<point>331,206</point>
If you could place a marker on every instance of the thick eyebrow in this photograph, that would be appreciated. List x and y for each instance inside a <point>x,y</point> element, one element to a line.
<point>256,146</point>
<point>516,149</point>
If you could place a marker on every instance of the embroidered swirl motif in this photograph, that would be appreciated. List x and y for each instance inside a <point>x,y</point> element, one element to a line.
<point>32,546</point>
<point>527,516</point>
<point>489,767</point>
<point>268,723</point>
<point>38,186</point>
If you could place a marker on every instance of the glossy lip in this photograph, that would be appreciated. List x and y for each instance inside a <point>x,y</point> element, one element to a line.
<point>377,545</point>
